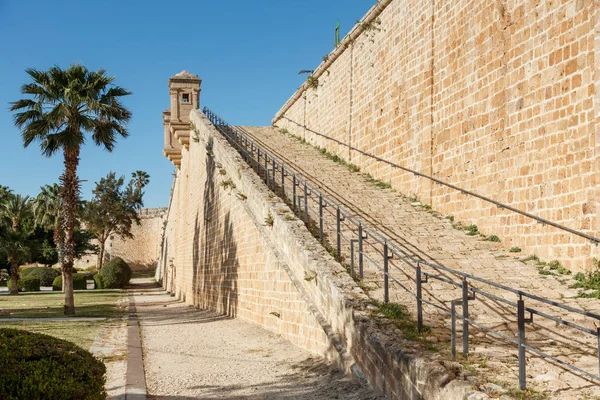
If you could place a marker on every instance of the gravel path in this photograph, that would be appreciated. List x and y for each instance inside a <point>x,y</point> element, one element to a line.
<point>193,354</point>
<point>111,347</point>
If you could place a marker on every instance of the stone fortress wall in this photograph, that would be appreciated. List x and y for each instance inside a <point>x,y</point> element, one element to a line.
<point>497,97</point>
<point>230,245</point>
<point>142,251</point>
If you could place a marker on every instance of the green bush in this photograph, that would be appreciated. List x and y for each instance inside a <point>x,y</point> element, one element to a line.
<point>26,284</point>
<point>38,366</point>
<point>46,275</point>
<point>79,282</point>
<point>115,274</point>
<point>57,283</point>
<point>27,271</point>
<point>98,282</point>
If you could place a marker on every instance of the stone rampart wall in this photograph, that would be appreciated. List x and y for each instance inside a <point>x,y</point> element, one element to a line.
<point>496,97</point>
<point>232,246</point>
<point>141,252</point>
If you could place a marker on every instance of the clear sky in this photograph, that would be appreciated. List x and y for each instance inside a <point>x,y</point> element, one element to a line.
<point>247,52</point>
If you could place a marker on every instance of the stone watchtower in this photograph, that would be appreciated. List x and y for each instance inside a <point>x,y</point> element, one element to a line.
<point>184,89</point>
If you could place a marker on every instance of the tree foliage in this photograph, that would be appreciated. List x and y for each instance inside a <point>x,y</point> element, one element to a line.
<point>62,109</point>
<point>15,238</point>
<point>113,209</point>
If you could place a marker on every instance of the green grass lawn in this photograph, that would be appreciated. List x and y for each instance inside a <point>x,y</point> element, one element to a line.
<point>143,274</point>
<point>82,334</point>
<point>88,303</point>
<point>110,304</point>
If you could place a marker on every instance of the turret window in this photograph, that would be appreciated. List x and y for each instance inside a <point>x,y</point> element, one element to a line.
<point>185,98</point>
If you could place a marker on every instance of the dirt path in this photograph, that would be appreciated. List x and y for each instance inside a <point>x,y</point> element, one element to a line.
<point>193,354</point>
<point>424,234</point>
<point>111,347</point>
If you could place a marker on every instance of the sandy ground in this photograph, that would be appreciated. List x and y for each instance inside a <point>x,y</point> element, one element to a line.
<point>111,347</point>
<point>195,354</point>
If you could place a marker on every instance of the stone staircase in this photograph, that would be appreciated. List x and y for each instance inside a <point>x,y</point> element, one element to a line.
<point>426,235</point>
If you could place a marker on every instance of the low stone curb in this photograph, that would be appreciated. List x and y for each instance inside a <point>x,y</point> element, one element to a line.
<point>65,319</point>
<point>135,383</point>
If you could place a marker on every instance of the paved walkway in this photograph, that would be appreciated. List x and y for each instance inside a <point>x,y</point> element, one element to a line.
<point>433,238</point>
<point>196,354</point>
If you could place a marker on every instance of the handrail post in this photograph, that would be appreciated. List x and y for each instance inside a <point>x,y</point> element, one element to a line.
<point>360,251</point>
<point>598,336</point>
<point>273,179</point>
<point>453,336</point>
<point>352,257</point>
<point>386,289</point>
<point>266,170</point>
<point>258,160</point>
<point>465,306</point>
<point>321,217</point>
<point>521,343</point>
<point>305,204</point>
<point>339,235</point>
<point>419,299</point>
<point>294,190</point>
<point>282,182</point>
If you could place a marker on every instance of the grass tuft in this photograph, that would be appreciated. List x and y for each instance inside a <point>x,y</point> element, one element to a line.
<point>401,318</point>
<point>471,230</point>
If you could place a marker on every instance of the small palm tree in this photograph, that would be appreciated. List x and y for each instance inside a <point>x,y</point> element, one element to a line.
<point>47,209</point>
<point>5,193</point>
<point>63,107</point>
<point>139,180</point>
<point>14,240</point>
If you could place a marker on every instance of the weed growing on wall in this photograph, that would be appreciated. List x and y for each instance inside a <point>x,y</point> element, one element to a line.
<point>228,184</point>
<point>336,159</point>
<point>398,314</point>
<point>471,230</point>
<point>313,83</point>
<point>269,218</point>
<point>493,238</point>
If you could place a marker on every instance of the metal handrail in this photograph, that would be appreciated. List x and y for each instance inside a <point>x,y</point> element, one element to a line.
<point>242,142</point>
<point>500,205</point>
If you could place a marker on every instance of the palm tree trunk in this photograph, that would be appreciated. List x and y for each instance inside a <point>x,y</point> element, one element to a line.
<point>14,276</point>
<point>59,241</point>
<point>70,185</point>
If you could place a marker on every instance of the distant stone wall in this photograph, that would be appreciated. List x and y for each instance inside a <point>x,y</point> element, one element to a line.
<point>141,252</point>
<point>496,97</point>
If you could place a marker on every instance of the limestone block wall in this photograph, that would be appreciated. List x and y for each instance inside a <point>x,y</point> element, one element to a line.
<point>217,252</point>
<point>143,251</point>
<point>220,253</point>
<point>496,97</point>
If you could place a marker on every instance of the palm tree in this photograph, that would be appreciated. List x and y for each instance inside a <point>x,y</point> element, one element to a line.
<point>63,107</point>
<point>14,240</point>
<point>5,193</point>
<point>47,209</point>
<point>139,180</point>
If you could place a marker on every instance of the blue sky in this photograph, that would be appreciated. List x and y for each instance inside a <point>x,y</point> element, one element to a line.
<point>248,53</point>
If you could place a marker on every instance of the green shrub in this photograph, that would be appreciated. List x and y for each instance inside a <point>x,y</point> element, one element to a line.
<point>57,283</point>
<point>38,366</point>
<point>27,271</point>
<point>115,274</point>
<point>98,282</point>
<point>44,274</point>
<point>26,284</point>
<point>79,282</point>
